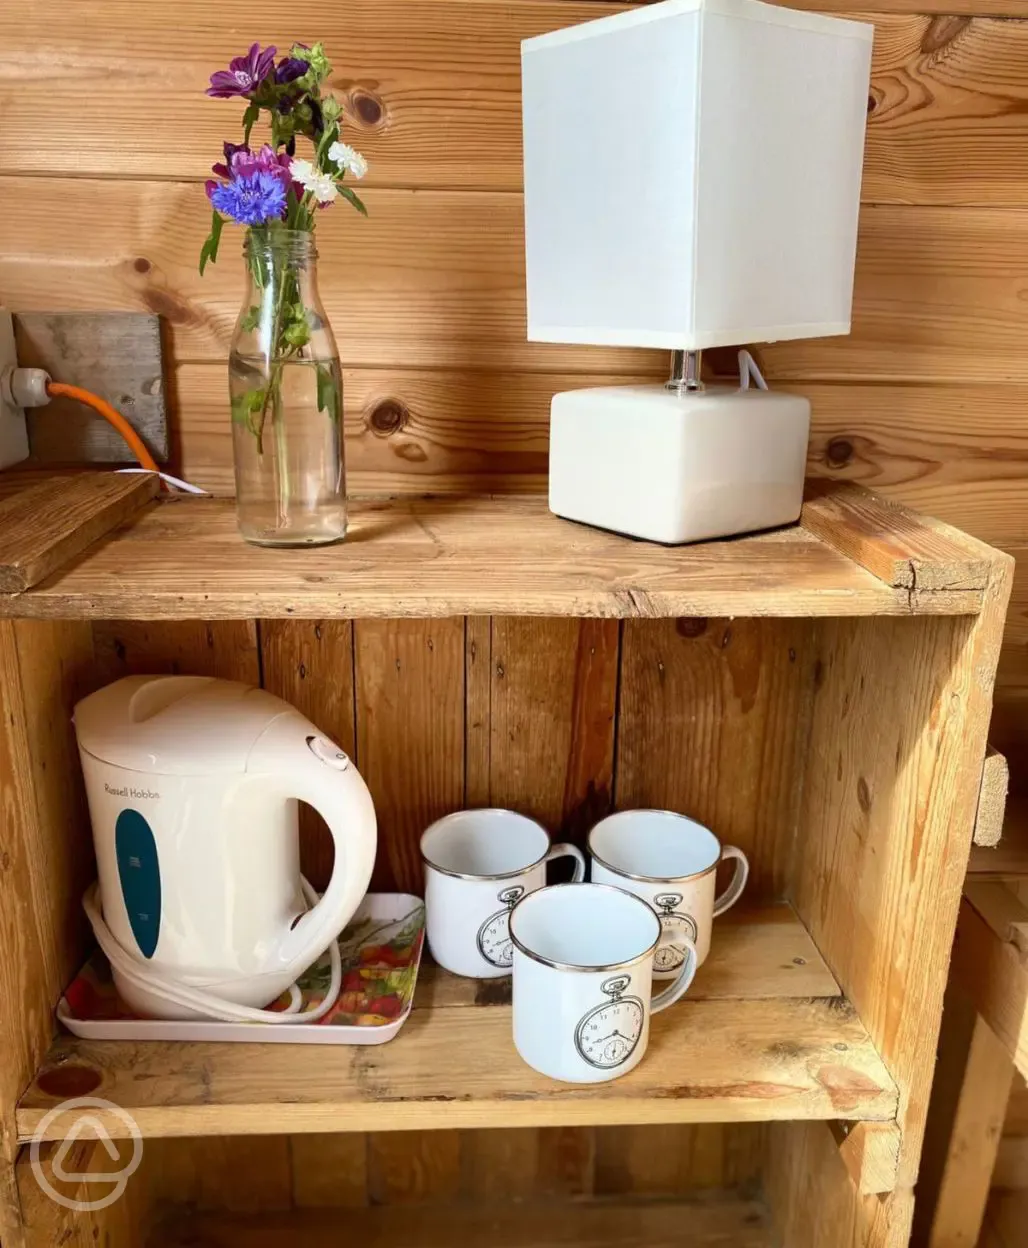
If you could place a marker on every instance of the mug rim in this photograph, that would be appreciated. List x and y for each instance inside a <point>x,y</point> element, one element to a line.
<point>653,879</point>
<point>556,965</point>
<point>477,875</point>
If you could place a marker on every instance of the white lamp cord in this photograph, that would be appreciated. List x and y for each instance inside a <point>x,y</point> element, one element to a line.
<point>747,369</point>
<point>148,980</point>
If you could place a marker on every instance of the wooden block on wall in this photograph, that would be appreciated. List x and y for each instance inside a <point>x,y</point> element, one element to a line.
<point>117,355</point>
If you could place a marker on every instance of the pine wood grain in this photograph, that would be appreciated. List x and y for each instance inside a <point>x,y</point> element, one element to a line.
<point>992,800</point>
<point>956,452</point>
<point>993,967</point>
<point>45,859</point>
<point>708,1061</point>
<point>870,1152</point>
<point>898,546</point>
<point>410,730</point>
<point>725,1224</point>
<point>309,663</point>
<point>1010,856</point>
<point>432,93</point>
<point>329,1171</point>
<point>47,524</point>
<point>185,559</point>
<point>890,853</point>
<point>551,690</point>
<point>714,717</point>
<point>436,279</point>
<point>431,279</point>
<point>959,1211</point>
<point>227,649</point>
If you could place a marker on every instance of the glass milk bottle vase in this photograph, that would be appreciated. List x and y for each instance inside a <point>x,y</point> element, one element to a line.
<point>287,399</point>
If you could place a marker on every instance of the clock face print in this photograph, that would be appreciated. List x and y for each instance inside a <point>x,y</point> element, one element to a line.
<point>674,926</point>
<point>607,1036</point>
<point>494,942</point>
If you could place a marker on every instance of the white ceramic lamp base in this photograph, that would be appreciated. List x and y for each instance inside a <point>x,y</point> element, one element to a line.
<point>652,463</point>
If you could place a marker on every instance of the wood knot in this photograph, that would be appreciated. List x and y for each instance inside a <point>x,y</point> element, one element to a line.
<point>142,265</point>
<point>367,106</point>
<point>864,795</point>
<point>838,452</point>
<point>71,1080</point>
<point>941,32</point>
<point>872,103</point>
<point>691,627</point>
<point>387,417</point>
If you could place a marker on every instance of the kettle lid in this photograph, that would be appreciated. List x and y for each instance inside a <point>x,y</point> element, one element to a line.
<point>175,725</point>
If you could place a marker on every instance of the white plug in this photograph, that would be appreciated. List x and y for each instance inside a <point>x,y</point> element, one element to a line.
<point>14,437</point>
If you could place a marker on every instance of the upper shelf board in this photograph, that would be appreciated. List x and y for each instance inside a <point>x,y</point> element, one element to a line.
<point>852,554</point>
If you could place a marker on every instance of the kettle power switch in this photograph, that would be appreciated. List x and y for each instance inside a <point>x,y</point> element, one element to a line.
<point>327,752</point>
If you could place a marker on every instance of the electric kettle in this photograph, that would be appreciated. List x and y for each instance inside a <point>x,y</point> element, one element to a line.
<point>192,786</point>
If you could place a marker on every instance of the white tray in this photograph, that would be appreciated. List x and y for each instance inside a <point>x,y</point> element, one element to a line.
<point>381,951</point>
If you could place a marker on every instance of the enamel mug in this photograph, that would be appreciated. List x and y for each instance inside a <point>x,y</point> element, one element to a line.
<point>583,970</point>
<point>671,862</point>
<point>478,866</point>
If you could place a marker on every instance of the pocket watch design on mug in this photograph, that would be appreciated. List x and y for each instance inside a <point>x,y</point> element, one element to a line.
<point>494,942</point>
<point>674,926</point>
<point>607,1036</point>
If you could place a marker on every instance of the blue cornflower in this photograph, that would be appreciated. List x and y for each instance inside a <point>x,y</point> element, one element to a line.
<point>251,200</point>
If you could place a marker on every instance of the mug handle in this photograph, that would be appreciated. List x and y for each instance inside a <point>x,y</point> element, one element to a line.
<point>679,985</point>
<point>738,881</point>
<point>564,850</point>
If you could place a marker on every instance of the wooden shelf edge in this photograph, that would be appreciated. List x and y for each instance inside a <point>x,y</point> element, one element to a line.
<point>1008,858</point>
<point>852,554</point>
<point>764,1034</point>
<point>870,1152</point>
<point>990,960</point>
<point>899,546</point>
<point>717,1223</point>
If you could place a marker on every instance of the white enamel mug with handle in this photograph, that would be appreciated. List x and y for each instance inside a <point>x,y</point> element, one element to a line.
<point>583,971</point>
<point>671,862</point>
<point>478,865</point>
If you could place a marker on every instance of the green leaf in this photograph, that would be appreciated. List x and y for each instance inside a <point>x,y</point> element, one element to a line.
<point>328,394</point>
<point>209,251</point>
<point>331,109</point>
<point>252,319</point>
<point>297,333</point>
<point>353,197</point>
<point>328,137</point>
<point>243,405</point>
<point>253,111</point>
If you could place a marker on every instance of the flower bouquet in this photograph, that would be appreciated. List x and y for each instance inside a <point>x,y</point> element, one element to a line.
<point>285,380</point>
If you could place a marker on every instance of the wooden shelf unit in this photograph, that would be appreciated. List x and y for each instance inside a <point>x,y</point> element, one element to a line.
<point>819,696</point>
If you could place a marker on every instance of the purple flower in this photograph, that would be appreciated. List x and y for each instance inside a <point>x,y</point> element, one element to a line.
<point>230,149</point>
<point>244,74</point>
<point>289,69</point>
<point>250,199</point>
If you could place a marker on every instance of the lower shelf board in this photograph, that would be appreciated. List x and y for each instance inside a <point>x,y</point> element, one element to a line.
<point>763,1034</point>
<point>704,1224</point>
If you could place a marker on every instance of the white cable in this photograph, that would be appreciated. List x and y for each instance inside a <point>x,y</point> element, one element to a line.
<point>146,979</point>
<point>173,481</point>
<point>747,369</point>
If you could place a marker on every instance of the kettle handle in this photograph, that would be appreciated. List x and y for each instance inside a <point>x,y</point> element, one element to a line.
<point>300,763</point>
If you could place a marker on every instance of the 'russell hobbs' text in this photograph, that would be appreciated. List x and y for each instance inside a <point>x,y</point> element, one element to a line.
<point>128,791</point>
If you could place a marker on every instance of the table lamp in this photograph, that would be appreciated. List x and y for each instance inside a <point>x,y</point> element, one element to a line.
<point>692,180</point>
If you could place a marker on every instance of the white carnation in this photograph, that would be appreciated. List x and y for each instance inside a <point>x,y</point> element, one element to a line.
<point>348,160</point>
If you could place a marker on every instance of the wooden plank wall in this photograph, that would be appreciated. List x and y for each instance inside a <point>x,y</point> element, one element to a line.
<point>925,400</point>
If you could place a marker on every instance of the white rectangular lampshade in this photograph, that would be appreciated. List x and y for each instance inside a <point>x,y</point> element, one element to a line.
<point>692,175</point>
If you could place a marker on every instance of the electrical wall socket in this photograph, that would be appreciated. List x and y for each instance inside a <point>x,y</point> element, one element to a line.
<point>14,437</point>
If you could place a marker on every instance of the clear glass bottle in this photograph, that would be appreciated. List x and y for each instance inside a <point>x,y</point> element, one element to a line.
<point>287,399</point>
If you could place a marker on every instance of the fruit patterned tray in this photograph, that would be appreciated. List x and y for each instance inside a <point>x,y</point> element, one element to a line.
<point>381,952</point>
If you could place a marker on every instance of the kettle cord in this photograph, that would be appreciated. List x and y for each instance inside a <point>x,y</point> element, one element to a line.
<point>148,980</point>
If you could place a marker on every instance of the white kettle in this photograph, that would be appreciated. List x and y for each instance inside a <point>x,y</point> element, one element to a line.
<point>193,785</point>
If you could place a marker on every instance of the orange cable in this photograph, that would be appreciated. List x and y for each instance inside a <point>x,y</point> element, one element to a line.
<point>110,414</point>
